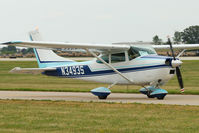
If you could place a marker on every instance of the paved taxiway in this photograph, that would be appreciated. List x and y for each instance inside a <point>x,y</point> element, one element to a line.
<point>88,97</point>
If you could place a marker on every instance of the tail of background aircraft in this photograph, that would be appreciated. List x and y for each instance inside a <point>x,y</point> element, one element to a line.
<point>46,58</point>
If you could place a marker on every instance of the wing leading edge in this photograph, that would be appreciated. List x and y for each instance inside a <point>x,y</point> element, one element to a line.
<point>58,45</point>
<point>100,47</point>
<point>176,47</point>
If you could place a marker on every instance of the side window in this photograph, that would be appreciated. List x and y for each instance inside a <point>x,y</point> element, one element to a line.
<point>105,58</point>
<point>120,57</point>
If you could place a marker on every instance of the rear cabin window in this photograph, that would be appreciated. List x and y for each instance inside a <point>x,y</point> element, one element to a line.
<point>119,57</point>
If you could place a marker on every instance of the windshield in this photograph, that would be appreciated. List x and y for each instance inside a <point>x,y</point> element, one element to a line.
<point>136,51</point>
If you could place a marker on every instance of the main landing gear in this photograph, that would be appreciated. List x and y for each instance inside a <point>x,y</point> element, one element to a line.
<point>101,92</point>
<point>153,92</point>
<point>150,91</point>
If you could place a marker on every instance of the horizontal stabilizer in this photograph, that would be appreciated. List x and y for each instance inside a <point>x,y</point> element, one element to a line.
<point>30,70</point>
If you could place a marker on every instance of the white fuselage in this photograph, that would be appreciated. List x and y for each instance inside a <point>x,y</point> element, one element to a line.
<point>143,70</point>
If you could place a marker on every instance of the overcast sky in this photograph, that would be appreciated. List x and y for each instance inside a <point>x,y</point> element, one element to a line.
<point>96,21</point>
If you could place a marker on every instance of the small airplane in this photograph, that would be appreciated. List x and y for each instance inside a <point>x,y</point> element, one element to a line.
<point>116,64</point>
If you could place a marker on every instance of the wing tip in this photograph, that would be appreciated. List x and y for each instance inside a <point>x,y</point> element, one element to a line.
<point>12,42</point>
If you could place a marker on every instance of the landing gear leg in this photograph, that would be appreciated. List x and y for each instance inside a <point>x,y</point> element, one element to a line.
<point>148,93</point>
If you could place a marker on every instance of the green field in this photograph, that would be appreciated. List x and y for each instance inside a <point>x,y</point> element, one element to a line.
<point>76,117</point>
<point>59,116</point>
<point>8,81</point>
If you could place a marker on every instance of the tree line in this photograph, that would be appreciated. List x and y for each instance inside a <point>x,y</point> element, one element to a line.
<point>13,50</point>
<point>189,35</point>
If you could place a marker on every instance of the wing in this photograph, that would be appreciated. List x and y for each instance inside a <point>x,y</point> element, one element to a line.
<point>30,70</point>
<point>63,45</point>
<point>176,47</point>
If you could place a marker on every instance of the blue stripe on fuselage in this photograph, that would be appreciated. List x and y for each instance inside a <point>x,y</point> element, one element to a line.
<point>156,57</point>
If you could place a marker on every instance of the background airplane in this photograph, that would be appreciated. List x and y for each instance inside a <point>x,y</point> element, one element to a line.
<point>117,64</point>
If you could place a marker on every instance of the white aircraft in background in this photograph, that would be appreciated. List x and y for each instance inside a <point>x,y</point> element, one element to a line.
<point>117,64</point>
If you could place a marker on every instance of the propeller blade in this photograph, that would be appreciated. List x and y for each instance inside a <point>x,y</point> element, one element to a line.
<point>178,73</point>
<point>171,48</point>
<point>180,81</point>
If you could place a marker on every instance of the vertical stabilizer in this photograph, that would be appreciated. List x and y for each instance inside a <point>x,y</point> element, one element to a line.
<point>46,58</point>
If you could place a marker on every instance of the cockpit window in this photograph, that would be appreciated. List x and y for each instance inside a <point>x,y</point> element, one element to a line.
<point>139,51</point>
<point>133,53</point>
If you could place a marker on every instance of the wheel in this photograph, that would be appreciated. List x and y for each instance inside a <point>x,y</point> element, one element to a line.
<point>102,97</point>
<point>149,96</point>
<point>160,97</point>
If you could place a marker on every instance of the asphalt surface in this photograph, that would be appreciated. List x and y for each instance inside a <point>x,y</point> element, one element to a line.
<point>88,97</point>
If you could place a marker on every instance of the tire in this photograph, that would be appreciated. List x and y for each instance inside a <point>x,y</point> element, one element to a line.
<point>102,97</point>
<point>149,96</point>
<point>160,97</point>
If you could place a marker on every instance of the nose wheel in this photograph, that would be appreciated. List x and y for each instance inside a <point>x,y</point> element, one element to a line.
<point>153,92</point>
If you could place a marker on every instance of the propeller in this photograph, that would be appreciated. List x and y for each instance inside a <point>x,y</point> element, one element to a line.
<point>176,63</point>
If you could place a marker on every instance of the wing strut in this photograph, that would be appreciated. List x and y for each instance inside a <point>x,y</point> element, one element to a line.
<point>181,53</point>
<point>110,66</point>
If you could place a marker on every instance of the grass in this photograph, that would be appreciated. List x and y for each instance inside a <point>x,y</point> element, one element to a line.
<point>27,82</point>
<point>59,116</point>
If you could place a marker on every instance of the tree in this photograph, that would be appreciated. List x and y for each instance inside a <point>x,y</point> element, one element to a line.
<point>157,40</point>
<point>9,50</point>
<point>30,50</point>
<point>26,51</point>
<point>191,35</point>
<point>177,37</point>
<point>12,49</point>
<point>4,49</point>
